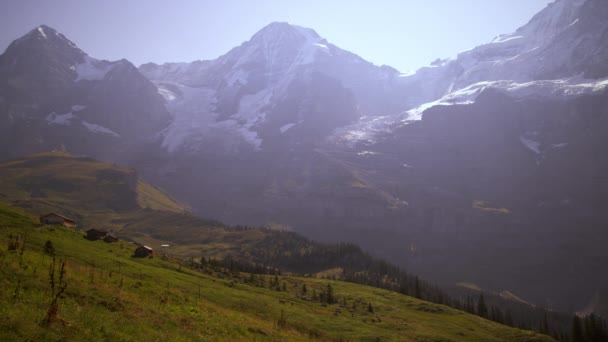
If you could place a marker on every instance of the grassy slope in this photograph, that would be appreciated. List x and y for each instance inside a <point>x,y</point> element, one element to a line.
<point>110,197</point>
<point>64,182</point>
<point>106,196</point>
<point>111,296</point>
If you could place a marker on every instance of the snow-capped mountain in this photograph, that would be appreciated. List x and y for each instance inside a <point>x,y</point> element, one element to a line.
<point>500,148</point>
<point>559,53</point>
<point>473,150</point>
<point>285,78</point>
<point>569,38</point>
<point>53,95</point>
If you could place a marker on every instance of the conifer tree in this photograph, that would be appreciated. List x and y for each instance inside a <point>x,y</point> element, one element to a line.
<point>330,294</point>
<point>482,309</point>
<point>577,330</point>
<point>49,249</point>
<point>417,293</point>
<point>509,318</point>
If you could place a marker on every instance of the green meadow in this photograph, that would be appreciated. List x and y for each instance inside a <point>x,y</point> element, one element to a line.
<point>109,295</point>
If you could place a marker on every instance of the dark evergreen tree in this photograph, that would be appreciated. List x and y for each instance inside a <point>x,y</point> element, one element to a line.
<point>509,318</point>
<point>469,307</point>
<point>49,249</point>
<point>330,294</point>
<point>577,330</point>
<point>544,325</point>
<point>482,309</point>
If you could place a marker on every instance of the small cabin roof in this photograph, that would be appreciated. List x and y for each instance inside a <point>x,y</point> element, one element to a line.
<point>59,215</point>
<point>95,230</point>
<point>146,247</point>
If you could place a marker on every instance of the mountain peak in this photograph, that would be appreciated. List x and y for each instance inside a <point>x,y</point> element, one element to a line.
<point>42,31</point>
<point>555,17</point>
<point>277,31</point>
<point>47,39</point>
<point>45,33</point>
<point>42,51</point>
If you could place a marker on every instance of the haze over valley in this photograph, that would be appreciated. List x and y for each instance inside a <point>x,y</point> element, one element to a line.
<point>484,174</point>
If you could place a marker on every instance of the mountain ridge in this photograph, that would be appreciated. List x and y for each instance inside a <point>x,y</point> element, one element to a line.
<point>55,96</point>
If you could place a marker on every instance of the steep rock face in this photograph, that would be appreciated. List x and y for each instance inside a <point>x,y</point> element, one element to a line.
<point>285,78</point>
<point>246,128</point>
<point>499,157</point>
<point>37,67</point>
<point>567,38</point>
<point>508,190</point>
<point>462,171</point>
<point>55,96</point>
<point>498,148</point>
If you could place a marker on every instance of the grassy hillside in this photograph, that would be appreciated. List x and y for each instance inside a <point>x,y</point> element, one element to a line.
<point>106,196</point>
<point>79,186</point>
<point>112,296</point>
<point>110,197</point>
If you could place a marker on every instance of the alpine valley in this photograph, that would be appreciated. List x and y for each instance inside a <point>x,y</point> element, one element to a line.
<point>488,169</point>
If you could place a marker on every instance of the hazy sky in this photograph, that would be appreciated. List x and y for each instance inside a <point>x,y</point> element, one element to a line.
<point>405,34</point>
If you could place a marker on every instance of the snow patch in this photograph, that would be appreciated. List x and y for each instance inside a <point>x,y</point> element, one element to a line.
<point>95,128</point>
<point>368,127</point>
<point>547,89</point>
<point>505,38</point>
<point>310,47</point>
<point>78,108</point>
<point>532,145</point>
<point>288,126</point>
<point>239,76</point>
<point>67,119</point>
<point>167,94</point>
<point>365,129</point>
<point>92,69</point>
<point>407,74</point>
<point>192,116</point>
<point>60,119</point>
<point>41,30</point>
<point>367,153</point>
<point>459,97</point>
<point>251,137</point>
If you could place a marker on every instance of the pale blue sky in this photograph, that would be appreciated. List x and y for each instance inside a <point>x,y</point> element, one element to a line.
<point>405,34</point>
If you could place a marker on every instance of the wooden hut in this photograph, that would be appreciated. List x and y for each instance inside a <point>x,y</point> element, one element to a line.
<point>143,252</point>
<point>110,238</point>
<point>55,219</point>
<point>95,234</point>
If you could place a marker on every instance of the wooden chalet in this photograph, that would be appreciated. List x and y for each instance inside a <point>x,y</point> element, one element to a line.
<point>96,234</point>
<point>55,219</point>
<point>110,238</point>
<point>143,252</point>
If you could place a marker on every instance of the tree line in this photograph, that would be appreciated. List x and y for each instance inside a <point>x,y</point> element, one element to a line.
<point>281,252</point>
